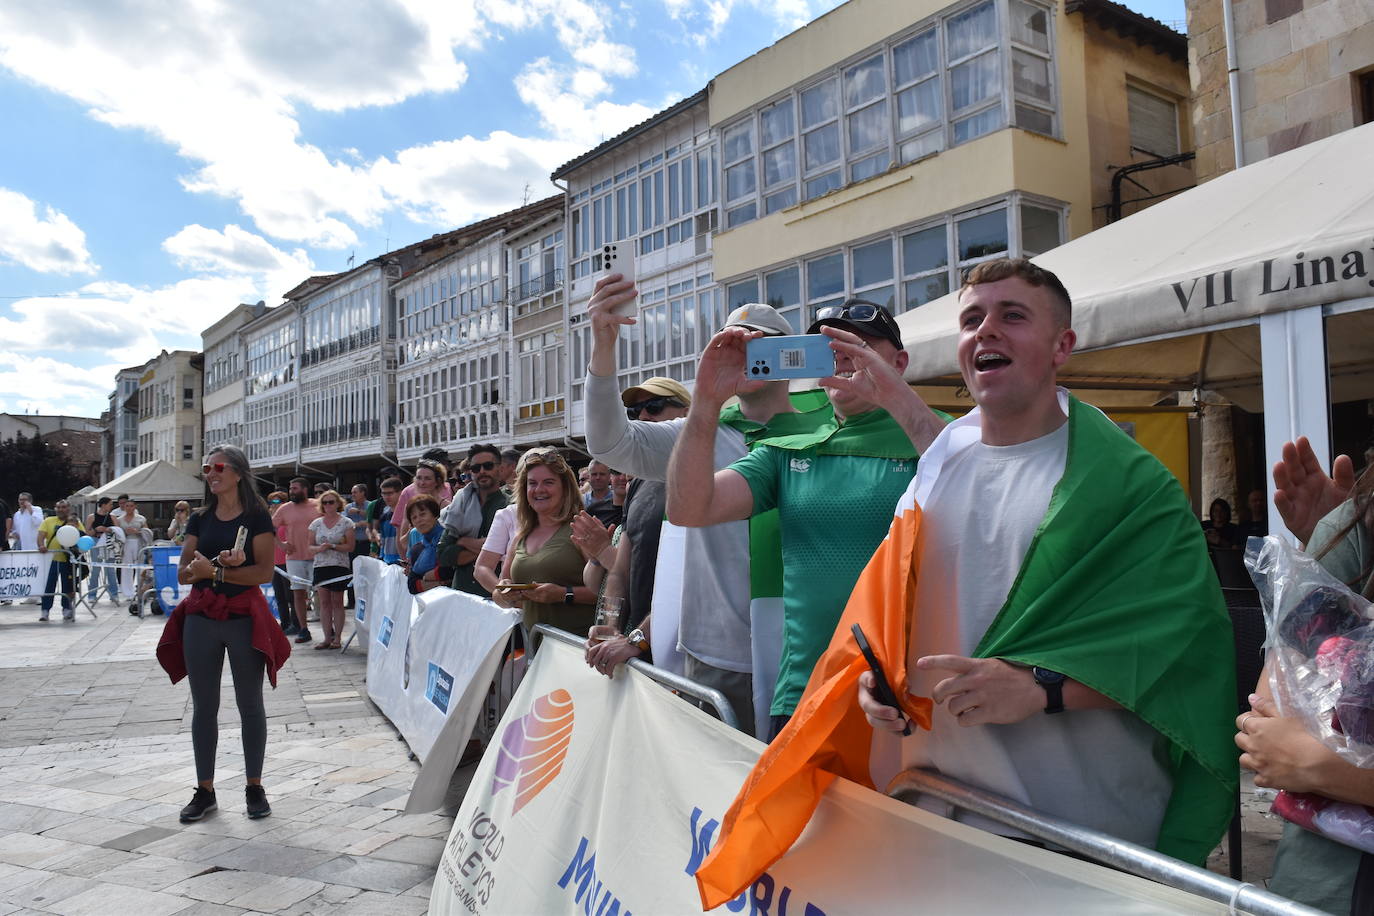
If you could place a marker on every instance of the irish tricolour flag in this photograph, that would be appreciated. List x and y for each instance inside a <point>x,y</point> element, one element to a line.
<point>1116,591</point>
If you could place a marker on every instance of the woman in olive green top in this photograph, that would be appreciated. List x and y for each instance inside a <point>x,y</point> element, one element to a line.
<point>542,553</point>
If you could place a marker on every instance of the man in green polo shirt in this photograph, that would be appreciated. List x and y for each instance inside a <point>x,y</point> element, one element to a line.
<point>834,488</point>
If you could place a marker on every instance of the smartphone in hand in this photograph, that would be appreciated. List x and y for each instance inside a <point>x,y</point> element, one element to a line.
<point>618,258</point>
<point>793,356</point>
<point>882,689</point>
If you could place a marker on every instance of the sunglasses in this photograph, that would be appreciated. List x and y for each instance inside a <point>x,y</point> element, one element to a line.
<point>483,466</point>
<point>653,407</point>
<point>861,312</point>
<point>218,467</point>
<point>328,502</point>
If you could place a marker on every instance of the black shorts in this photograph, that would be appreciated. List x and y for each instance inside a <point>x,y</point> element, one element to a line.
<point>325,573</point>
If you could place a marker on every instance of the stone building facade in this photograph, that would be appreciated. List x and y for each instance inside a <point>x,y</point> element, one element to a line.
<point>1306,72</point>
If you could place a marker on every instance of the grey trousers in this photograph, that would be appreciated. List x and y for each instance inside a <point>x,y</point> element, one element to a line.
<point>204,645</point>
<point>738,688</point>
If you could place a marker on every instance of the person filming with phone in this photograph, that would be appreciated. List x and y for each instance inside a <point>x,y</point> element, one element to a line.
<point>833,487</point>
<point>727,640</point>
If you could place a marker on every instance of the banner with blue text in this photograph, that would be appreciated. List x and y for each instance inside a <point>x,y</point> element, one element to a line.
<point>602,797</point>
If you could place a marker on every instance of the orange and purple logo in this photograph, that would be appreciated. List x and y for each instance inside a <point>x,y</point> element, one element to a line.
<point>533,748</point>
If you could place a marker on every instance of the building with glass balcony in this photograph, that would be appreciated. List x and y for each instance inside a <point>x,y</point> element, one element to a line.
<point>883,149</point>
<point>454,372</point>
<point>654,188</point>
<point>271,391</point>
<point>222,395</point>
<point>539,377</point>
<point>169,410</point>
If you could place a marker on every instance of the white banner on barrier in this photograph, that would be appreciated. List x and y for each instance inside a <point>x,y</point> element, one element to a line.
<point>431,659</point>
<point>602,797</point>
<point>366,571</point>
<point>23,573</point>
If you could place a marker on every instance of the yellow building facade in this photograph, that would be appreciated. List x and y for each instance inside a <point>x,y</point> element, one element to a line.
<point>886,147</point>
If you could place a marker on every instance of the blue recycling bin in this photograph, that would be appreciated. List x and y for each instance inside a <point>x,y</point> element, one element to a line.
<point>165,585</point>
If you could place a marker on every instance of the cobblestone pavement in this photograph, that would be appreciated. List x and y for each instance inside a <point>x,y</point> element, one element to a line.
<point>95,762</point>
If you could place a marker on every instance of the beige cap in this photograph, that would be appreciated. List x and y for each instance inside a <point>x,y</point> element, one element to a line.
<point>759,317</point>
<point>656,387</point>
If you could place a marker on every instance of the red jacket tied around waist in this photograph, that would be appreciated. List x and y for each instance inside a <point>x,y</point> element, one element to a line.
<point>267,635</point>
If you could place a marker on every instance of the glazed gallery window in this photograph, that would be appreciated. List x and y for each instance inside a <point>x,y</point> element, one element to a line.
<point>952,79</point>
<point>906,268</point>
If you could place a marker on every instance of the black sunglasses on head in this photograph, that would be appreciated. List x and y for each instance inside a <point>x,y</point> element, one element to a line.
<point>653,407</point>
<point>869,315</point>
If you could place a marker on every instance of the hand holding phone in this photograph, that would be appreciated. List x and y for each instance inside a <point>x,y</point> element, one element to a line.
<point>618,258</point>
<point>881,688</point>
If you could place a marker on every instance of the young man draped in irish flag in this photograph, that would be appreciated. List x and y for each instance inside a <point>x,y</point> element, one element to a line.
<point>1043,605</point>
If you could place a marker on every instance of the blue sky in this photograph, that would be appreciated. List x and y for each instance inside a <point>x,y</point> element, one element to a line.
<point>161,163</point>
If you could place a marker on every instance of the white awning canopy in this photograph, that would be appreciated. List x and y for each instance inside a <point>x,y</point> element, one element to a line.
<point>1288,232</point>
<point>155,481</point>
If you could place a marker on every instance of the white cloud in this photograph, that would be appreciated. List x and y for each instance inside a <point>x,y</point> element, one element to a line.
<point>566,99</point>
<point>219,81</point>
<point>455,182</point>
<point>706,20</point>
<point>127,324</point>
<point>48,242</point>
<point>238,252</point>
<point>51,386</point>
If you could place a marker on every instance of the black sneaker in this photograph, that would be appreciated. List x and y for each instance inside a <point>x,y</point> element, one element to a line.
<point>256,798</point>
<point>202,803</point>
<point>304,636</point>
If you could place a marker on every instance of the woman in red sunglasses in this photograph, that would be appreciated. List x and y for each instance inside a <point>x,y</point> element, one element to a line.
<point>226,557</point>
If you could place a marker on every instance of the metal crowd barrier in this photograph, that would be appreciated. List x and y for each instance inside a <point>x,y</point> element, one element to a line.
<point>1100,847</point>
<point>667,678</point>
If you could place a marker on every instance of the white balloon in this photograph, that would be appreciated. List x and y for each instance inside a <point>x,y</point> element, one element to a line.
<point>67,535</point>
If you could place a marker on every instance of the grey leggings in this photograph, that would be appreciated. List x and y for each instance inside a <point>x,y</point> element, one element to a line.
<point>204,642</point>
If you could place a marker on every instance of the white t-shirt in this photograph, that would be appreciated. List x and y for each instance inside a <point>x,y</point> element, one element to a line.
<point>26,527</point>
<point>501,531</point>
<point>323,535</point>
<point>1101,768</point>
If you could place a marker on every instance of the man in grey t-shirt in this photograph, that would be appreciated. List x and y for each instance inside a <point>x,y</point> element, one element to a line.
<point>1098,764</point>
<point>714,631</point>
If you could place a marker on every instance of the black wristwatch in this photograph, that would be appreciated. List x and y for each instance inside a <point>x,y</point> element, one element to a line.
<point>568,598</point>
<point>1053,682</point>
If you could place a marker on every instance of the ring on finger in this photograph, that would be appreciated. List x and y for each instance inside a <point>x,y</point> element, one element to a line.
<point>1243,719</point>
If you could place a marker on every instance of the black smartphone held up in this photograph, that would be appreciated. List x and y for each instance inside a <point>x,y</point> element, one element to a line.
<point>883,690</point>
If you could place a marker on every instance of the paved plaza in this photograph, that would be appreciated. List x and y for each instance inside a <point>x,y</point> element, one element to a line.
<point>95,763</point>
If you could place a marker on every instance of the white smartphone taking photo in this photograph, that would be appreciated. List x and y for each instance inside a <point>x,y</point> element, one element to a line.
<point>618,258</point>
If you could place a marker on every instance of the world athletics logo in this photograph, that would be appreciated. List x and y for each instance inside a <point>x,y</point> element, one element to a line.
<point>533,748</point>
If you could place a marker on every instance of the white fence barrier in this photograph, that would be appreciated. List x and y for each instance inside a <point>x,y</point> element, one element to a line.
<point>431,662</point>
<point>603,796</point>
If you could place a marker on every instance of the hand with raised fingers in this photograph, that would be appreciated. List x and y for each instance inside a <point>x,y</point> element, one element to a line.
<point>1303,493</point>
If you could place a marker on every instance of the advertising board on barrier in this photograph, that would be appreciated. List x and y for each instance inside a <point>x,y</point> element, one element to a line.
<point>430,666</point>
<point>22,573</point>
<point>365,573</point>
<point>603,796</point>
